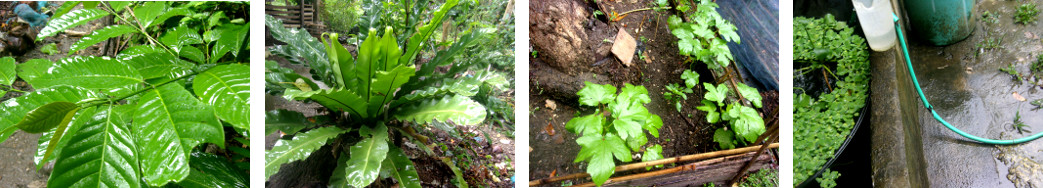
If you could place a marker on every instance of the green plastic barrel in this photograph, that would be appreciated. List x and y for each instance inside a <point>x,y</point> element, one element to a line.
<point>941,22</point>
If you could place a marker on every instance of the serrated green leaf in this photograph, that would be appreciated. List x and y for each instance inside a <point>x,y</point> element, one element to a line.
<point>589,124</point>
<point>209,170</point>
<point>289,122</point>
<point>159,65</point>
<point>181,36</point>
<point>712,116</point>
<point>70,20</point>
<point>651,154</point>
<point>299,148</point>
<point>87,72</point>
<point>458,109</point>
<point>727,31</point>
<point>227,87</point>
<point>176,122</point>
<point>366,157</point>
<point>595,94</point>
<point>401,168</point>
<point>600,150</point>
<point>749,124</point>
<point>691,79</point>
<point>17,108</point>
<point>716,94</point>
<point>635,142</point>
<point>749,93</point>
<point>100,35</point>
<point>724,138</point>
<point>464,86</point>
<point>103,155</point>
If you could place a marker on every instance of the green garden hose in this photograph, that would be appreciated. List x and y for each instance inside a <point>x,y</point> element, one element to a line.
<point>927,105</point>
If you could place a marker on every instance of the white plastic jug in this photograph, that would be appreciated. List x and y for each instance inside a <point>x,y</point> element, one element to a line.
<point>877,22</point>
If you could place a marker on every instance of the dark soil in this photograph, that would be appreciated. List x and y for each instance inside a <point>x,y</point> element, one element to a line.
<point>552,148</point>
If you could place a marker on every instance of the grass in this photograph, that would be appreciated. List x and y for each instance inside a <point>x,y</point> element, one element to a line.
<point>762,178</point>
<point>1026,13</point>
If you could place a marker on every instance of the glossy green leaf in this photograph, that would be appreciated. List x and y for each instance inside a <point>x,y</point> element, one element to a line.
<point>32,69</point>
<point>366,157</point>
<point>176,122</point>
<point>463,86</point>
<point>341,100</point>
<point>87,72</point>
<point>724,138</point>
<point>458,109</point>
<point>101,35</point>
<point>147,13</point>
<point>342,61</point>
<point>70,20</point>
<point>299,46</point>
<point>749,124</point>
<point>289,122</point>
<point>192,53</point>
<point>45,152</point>
<point>209,170</point>
<point>595,94</point>
<point>419,39</point>
<point>749,93</point>
<point>116,5</point>
<point>600,151</point>
<point>337,179</point>
<point>401,168</point>
<point>365,63</point>
<point>299,148</point>
<point>90,4</point>
<point>169,13</point>
<point>227,87</point>
<point>230,39</point>
<point>7,73</point>
<point>47,117</point>
<point>16,109</point>
<point>459,180</point>
<point>589,124</point>
<point>65,8</point>
<point>159,65</point>
<point>103,154</point>
<point>385,83</point>
<point>181,36</point>
<point>651,154</point>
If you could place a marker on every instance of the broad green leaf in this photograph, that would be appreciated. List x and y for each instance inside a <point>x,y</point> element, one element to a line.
<point>17,108</point>
<point>633,95</point>
<point>209,170</point>
<point>627,128</point>
<point>215,19</point>
<point>342,61</point>
<point>230,39</point>
<point>181,36</point>
<point>691,78</point>
<point>44,143</point>
<point>289,122</point>
<point>47,117</point>
<point>391,51</point>
<point>463,86</point>
<point>159,65</point>
<point>176,122</point>
<point>169,13</point>
<point>401,168</point>
<point>117,5</point>
<point>279,78</point>
<point>7,73</point>
<point>716,94</point>
<point>337,180</point>
<point>49,49</point>
<point>299,148</point>
<point>102,154</point>
<point>712,115</point>
<point>137,51</point>
<point>340,100</point>
<point>100,35</point>
<point>749,125</point>
<point>147,13</point>
<point>600,149</point>
<point>385,83</point>
<point>30,70</point>
<point>589,124</point>
<point>366,157</point>
<point>299,45</point>
<point>749,93</point>
<point>595,94</point>
<point>652,124</point>
<point>227,87</point>
<point>651,154</point>
<point>90,4</point>
<point>635,142</point>
<point>419,39</point>
<point>724,138</point>
<point>458,109</point>
<point>87,72</point>
<point>366,64</point>
<point>65,8</point>
<point>70,20</point>
<point>459,180</point>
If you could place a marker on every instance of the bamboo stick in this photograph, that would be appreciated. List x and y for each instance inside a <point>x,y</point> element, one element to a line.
<point>657,162</point>
<point>687,167</point>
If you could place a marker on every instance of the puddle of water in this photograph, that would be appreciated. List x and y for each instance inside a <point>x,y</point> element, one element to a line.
<point>970,93</point>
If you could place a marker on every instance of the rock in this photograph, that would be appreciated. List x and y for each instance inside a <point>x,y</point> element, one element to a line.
<point>557,34</point>
<point>624,47</point>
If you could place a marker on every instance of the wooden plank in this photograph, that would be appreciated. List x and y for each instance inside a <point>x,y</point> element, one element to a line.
<point>282,12</point>
<point>719,171</point>
<point>281,7</point>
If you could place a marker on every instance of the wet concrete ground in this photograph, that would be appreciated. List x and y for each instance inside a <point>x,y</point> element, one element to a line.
<point>970,92</point>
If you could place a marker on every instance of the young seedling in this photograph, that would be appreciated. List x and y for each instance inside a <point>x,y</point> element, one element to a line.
<point>1026,13</point>
<point>1016,76</point>
<point>1018,125</point>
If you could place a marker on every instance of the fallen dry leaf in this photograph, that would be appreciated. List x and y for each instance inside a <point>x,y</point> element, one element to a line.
<point>1019,97</point>
<point>551,104</point>
<point>549,129</point>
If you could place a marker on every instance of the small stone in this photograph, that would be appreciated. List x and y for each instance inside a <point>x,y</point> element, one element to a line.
<point>551,104</point>
<point>624,47</point>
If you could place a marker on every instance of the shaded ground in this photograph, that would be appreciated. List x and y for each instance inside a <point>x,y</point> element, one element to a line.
<point>552,148</point>
<point>963,83</point>
<point>17,168</point>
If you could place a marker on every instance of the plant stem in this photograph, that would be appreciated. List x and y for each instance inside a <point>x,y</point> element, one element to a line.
<point>642,9</point>
<point>144,90</point>
<point>10,88</point>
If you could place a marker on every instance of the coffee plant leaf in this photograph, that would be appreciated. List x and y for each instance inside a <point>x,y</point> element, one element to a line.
<point>16,109</point>
<point>87,72</point>
<point>209,170</point>
<point>69,20</point>
<point>176,122</point>
<point>103,154</point>
<point>101,35</point>
<point>227,87</point>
